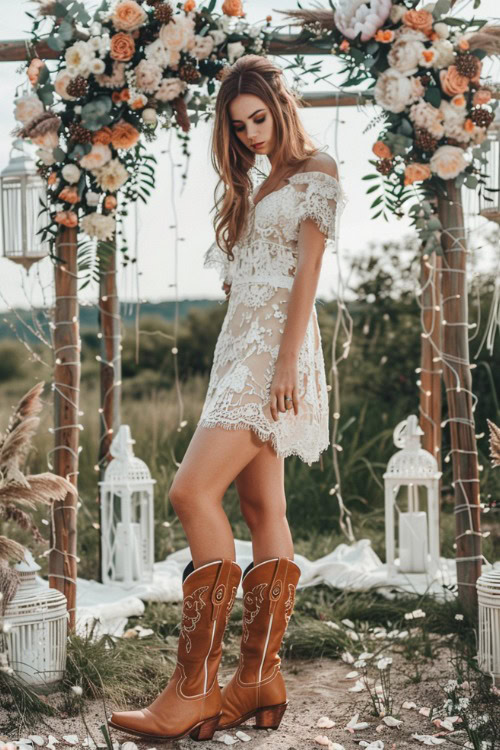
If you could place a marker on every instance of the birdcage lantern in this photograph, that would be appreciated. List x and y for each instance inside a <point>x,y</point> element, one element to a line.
<point>412,471</point>
<point>488,600</point>
<point>21,189</point>
<point>36,632</point>
<point>490,208</point>
<point>127,511</point>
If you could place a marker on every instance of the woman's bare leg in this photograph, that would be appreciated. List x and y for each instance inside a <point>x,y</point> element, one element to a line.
<point>214,458</point>
<point>261,490</point>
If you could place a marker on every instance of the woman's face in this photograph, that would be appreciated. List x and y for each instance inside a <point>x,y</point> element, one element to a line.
<point>252,122</point>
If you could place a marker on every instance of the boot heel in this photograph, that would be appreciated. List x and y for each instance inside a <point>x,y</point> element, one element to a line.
<point>270,717</point>
<point>206,730</point>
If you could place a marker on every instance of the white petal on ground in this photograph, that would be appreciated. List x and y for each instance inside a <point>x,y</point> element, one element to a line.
<point>129,746</point>
<point>336,746</point>
<point>409,704</point>
<point>425,711</point>
<point>37,739</point>
<point>352,721</point>
<point>70,739</point>
<point>375,745</point>
<point>226,739</point>
<point>347,657</point>
<point>358,687</point>
<point>391,721</point>
<point>243,736</point>
<point>348,623</point>
<point>322,739</point>
<point>428,739</point>
<point>325,722</point>
<point>351,675</point>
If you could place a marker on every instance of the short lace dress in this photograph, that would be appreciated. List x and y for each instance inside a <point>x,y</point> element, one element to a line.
<point>261,278</point>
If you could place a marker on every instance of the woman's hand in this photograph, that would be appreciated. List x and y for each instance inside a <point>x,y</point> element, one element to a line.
<point>226,288</point>
<point>284,383</point>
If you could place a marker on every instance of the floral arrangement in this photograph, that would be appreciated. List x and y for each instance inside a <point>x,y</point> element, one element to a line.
<point>424,69</point>
<point>131,67</point>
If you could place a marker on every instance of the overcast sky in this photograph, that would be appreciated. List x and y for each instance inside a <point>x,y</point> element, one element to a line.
<point>186,213</point>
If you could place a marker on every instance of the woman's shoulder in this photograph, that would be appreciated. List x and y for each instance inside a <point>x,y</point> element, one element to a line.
<point>322,162</point>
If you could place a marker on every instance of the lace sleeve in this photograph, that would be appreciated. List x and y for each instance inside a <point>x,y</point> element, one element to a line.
<point>216,258</point>
<point>322,199</point>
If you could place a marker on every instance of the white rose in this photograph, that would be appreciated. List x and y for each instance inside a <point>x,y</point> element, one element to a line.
<point>397,13</point>
<point>218,36</point>
<point>98,225</point>
<point>447,162</point>
<point>149,116</point>
<point>27,107</point>
<point>99,154</point>
<point>92,198</point>
<point>444,53</point>
<point>442,30</point>
<point>46,156</point>
<point>77,109</point>
<point>95,28</point>
<point>61,84</point>
<point>453,121</point>
<point>393,91</point>
<point>203,46</point>
<point>95,43</point>
<point>404,55</point>
<point>71,173</point>
<point>234,50</point>
<point>478,135</point>
<point>169,89</point>
<point>424,115</point>
<point>78,58</point>
<point>97,67</point>
<point>156,52</point>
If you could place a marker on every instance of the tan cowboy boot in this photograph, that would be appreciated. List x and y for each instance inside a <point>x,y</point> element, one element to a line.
<point>258,689</point>
<point>191,701</point>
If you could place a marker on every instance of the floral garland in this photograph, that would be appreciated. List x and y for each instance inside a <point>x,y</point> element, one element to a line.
<point>131,67</point>
<point>436,111</point>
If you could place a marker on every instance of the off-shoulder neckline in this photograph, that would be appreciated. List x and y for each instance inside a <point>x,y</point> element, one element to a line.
<point>287,184</point>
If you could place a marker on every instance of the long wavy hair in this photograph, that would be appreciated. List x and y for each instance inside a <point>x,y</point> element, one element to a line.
<point>232,160</point>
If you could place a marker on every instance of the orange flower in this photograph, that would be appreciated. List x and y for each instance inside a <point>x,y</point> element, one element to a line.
<point>138,102</point>
<point>122,47</point>
<point>52,178</point>
<point>464,44</point>
<point>420,20</point>
<point>124,135</point>
<point>458,100</point>
<point>452,82</point>
<point>189,5</point>
<point>102,136</point>
<point>69,194</point>
<point>269,19</point>
<point>34,69</point>
<point>344,45</point>
<point>66,218</point>
<point>382,150</point>
<point>110,202</point>
<point>232,8</point>
<point>128,15</point>
<point>386,36</point>
<point>416,172</point>
<point>116,97</point>
<point>482,96</point>
<point>428,55</point>
<point>468,125</point>
<point>125,95</point>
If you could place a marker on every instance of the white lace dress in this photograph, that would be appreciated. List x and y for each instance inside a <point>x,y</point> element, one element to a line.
<point>261,277</point>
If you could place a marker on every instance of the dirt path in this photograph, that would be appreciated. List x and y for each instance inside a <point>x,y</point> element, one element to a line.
<point>315,689</point>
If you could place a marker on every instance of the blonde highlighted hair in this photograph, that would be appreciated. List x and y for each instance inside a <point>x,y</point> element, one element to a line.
<point>232,160</point>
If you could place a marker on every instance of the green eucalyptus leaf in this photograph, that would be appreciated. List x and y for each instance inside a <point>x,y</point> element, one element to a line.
<point>56,43</point>
<point>433,96</point>
<point>66,30</point>
<point>59,154</point>
<point>440,8</point>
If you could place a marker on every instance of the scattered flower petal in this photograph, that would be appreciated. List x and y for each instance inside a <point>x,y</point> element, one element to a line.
<point>37,739</point>
<point>425,711</point>
<point>129,746</point>
<point>357,688</point>
<point>428,739</point>
<point>243,736</point>
<point>347,657</point>
<point>348,623</point>
<point>322,739</point>
<point>409,704</point>
<point>226,739</point>
<point>391,721</point>
<point>325,722</point>
<point>70,739</point>
<point>352,675</point>
<point>375,745</point>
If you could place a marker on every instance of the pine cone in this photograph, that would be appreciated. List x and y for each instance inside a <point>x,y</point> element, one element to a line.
<point>384,166</point>
<point>467,65</point>
<point>78,133</point>
<point>481,117</point>
<point>424,140</point>
<point>425,79</point>
<point>189,73</point>
<point>181,114</point>
<point>152,3</point>
<point>163,12</point>
<point>77,87</point>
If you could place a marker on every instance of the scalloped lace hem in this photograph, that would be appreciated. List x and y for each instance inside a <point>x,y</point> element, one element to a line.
<point>267,435</point>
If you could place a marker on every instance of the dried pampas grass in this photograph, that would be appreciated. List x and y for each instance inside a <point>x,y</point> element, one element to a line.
<point>488,38</point>
<point>321,16</point>
<point>494,443</point>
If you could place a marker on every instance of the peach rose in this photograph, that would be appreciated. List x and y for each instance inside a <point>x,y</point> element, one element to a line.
<point>232,7</point>
<point>110,202</point>
<point>344,45</point>
<point>122,47</point>
<point>463,44</point>
<point>66,218</point>
<point>69,194</point>
<point>97,156</point>
<point>482,96</point>
<point>28,107</point>
<point>102,136</point>
<point>416,172</point>
<point>128,16</point>
<point>138,102</point>
<point>34,69</point>
<point>189,5</point>
<point>61,84</point>
<point>447,162</point>
<point>46,140</point>
<point>382,150</point>
<point>420,20</point>
<point>52,178</point>
<point>386,36</point>
<point>452,82</point>
<point>124,135</point>
<point>125,95</point>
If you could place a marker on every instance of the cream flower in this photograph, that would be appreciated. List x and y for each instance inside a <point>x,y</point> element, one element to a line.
<point>79,58</point>
<point>156,53</point>
<point>447,162</point>
<point>453,122</point>
<point>169,89</point>
<point>203,46</point>
<point>365,16</point>
<point>149,116</point>
<point>98,225</point>
<point>406,32</point>
<point>444,53</point>
<point>62,79</point>
<point>46,156</point>
<point>442,30</point>
<point>116,79</point>
<point>128,16</point>
<point>99,154</point>
<point>111,176</point>
<point>393,91</point>
<point>404,55</point>
<point>147,76</point>
<point>218,36</point>
<point>234,50</point>
<point>397,13</point>
<point>28,107</point>
<point>424,115</point>
<point>97,66</point>
<point>92,198</point>
<point>178,33</point>
<point>71,173</point>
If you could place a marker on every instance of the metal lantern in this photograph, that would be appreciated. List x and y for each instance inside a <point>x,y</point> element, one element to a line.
<point>37,620</point>
<point>412,467</point>
<point>127,505</point>
<point>488,599</point>
<point>490,209</point>
<point>21,189</point>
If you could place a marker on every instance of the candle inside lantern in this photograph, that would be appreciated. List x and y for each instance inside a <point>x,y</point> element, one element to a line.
<point>413,542</point>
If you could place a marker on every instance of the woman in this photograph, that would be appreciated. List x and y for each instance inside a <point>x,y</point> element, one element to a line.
<point>266,399</point>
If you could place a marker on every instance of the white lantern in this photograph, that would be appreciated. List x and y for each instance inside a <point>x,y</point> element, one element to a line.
<point>21,189</point>
<point>127,510</point>
<point>36,637</point>
<point>490,209</point>
<point>412,467</point>
<point>488,599</point>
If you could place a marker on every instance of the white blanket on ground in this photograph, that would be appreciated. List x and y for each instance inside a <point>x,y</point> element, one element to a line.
<point>352,567</point>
